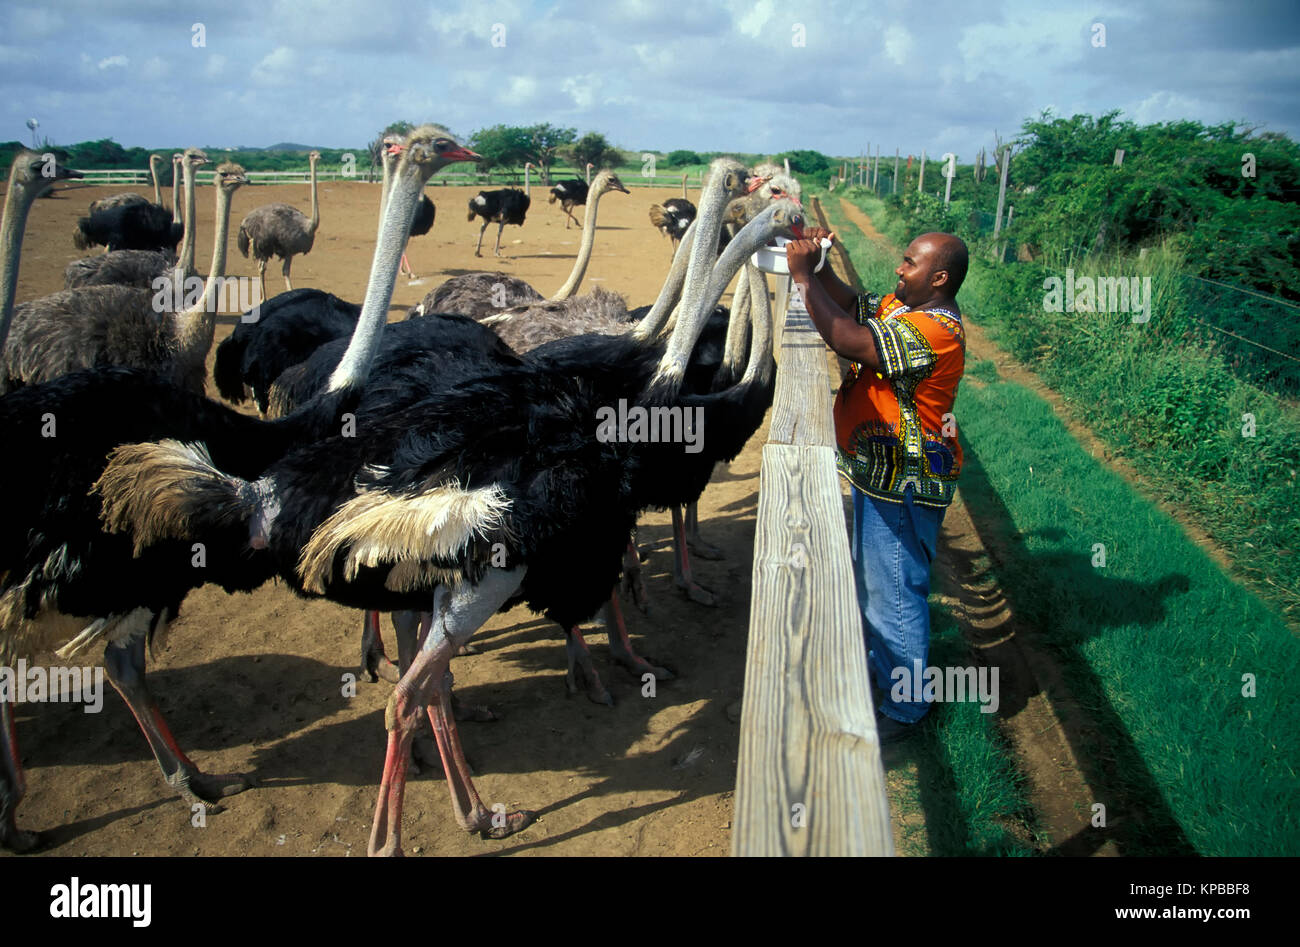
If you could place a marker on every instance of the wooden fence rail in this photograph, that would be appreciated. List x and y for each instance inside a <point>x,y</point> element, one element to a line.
<point>809,778</point>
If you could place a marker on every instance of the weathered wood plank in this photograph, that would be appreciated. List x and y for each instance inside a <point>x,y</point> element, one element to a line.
<point>801,405</point>
<point>809,778</point>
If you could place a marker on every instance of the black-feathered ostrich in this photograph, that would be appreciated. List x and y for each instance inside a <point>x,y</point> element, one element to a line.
<point>478,295</point>
<point>571,194</point>
<point>673,216</point>
<point>99,326</point>
<point>281,231</point>
<point>410,514</point>
<point>140,268</point>
<point>507,205</point>
<point>62,578</point>
<point>130,197</point>
<point>127,225</point>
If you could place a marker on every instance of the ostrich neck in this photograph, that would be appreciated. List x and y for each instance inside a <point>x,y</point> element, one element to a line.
<point>186,260</point>
<point>17,203</point>
<point>584,251</point>
<point>157,188</point>
<point>196,326</point>
<point>761,367</point>
<point>683,187</point>
<point>654,320</point>
<point>672,366</point>
<point>528,181</point>
<point>388,161</point>
<point>708,224</point>
<point>176,191</point>
<point>733,349</point>
<point>315,210</point>
<point>398,212</point>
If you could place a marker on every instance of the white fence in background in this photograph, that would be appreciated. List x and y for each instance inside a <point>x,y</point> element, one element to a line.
<point>140,178</point>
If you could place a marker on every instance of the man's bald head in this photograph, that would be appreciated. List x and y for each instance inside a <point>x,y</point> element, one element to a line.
<point>947,253</point>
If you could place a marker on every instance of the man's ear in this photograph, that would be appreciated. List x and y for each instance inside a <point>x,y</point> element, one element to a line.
<point>939,278</point>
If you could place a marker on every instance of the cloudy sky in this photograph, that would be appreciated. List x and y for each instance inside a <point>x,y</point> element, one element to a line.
<point>744,75</point>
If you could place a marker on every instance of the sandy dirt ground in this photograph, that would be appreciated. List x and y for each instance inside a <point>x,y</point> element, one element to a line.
<point>254,683</point>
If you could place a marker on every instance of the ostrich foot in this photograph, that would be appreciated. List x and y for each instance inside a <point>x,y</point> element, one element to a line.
<point>467,648</point>
<point>17,840</point>
<point>640,667</point>
<point>473,713</point>
<point>204,789</point>
<point>499,825</point>
<point>374,660</point>
<point>620,645</point>
<point>424,756</point>
<point>697,593</point>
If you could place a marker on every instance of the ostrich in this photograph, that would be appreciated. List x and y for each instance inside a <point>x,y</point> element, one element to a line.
<point>122,325</point>
<point>140,268</point>
<point>283,331</point>
<point>424,214</point>
<point>482,294</point>
<point>414,509</point>
<point>177,159</point>
<point>673,216</point>
<point>59,572</point>
<point>504,206</point>
<point>281,231</point>
<point>30,176</point>
<point>571,194</point>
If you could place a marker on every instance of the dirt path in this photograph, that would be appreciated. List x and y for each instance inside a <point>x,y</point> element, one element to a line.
<point>255,683</point>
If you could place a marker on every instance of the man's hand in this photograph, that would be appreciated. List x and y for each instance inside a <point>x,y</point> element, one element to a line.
<point>816,233</point>
<point>801,256</point>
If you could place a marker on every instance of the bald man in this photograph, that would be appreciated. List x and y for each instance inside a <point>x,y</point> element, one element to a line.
<point>897,445</point>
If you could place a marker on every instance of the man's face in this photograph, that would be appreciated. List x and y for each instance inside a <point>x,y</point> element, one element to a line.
<point>916,272</point>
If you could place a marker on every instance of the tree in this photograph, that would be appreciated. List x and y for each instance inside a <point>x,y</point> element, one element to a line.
<point>543,142</point>
<point>680,158</point>
<point>812,163</point>
<point>592,147</point>
<point>502,146</point>
<point>376,147</point>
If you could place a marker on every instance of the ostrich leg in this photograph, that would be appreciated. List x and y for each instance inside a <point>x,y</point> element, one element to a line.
<point>124,664</point>
<point>579,658</point>
<point>694,541</point>
<point>12,786</point>
<point>374,659</point>
<point>633,579</point>
<point>478,251</point>
<point>456,616</point>
<point>288,262</point>
<point>500,227</point>
<point>620,645</point>
<point>682,576</point>
<point>261,277</point>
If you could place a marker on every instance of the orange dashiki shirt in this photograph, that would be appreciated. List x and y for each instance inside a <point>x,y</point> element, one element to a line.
<point>889,426</point>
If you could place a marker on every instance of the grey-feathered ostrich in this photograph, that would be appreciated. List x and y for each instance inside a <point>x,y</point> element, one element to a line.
<point>60,575</point>
<point>479,295</point>
<point>281,231</point>
<point>422,223</point>
<point>409,514</point>
<point>30,176</point>
<point>507,205</point>
<point>121,325</point>
<point>673,216</point>
<point>571,194</point>
<point>140,268</point>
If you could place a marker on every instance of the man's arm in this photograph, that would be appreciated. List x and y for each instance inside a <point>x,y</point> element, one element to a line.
<point>838,290</point>
<point>837,327</point>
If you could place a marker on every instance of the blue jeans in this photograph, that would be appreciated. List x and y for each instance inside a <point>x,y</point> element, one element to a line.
<point>893,545</point>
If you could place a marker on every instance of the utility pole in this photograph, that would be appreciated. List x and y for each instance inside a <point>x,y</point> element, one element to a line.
<point>920,182</point>
<point>875,172</point>
<point>895,170</point>
<point>1002,191</point>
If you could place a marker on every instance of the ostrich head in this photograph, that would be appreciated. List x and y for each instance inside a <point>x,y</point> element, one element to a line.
<point>195,158</point>
<point>313,156</point>
<point>432,146</point>
<point>607,181</point>
<point>35,173</point>
<point>230,177</point>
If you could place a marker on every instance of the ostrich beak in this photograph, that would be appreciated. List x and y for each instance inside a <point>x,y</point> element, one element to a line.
<point>463,154</point>
<point>755,183</point>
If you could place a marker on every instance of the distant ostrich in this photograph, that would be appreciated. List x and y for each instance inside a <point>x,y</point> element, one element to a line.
<point>483,294</point>
<point>99,326</point>
<point>281,231</point>
<point>673,216</point>
<point>505,206</point>
<point>177,159</point>
<point>141,267</point>
<point>571,194</point>
<point>129,222</point>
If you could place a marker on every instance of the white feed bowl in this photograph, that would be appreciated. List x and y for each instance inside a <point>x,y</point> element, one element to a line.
<point>772,259</point>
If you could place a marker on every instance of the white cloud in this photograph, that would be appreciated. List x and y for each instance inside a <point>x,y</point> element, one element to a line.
<point>755,17</point>
<point>112,61</point>
<point>216,65</point>
<point>582,89</point>
<point>898,43</point>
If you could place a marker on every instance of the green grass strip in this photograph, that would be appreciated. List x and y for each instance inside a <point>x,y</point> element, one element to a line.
<point>1192,678</point>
